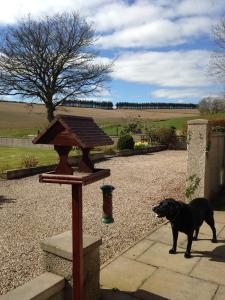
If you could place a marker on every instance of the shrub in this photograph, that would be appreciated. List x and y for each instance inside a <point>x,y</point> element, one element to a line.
<point>141,145</point>
<point>184,130</point>
<point>134,127</point>
<point>109,151</point>
<point>167,136</point>
<point>125,142</point>
<point>29,161</point>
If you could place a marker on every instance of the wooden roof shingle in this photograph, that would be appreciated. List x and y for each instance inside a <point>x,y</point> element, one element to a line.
<point>68,130</point>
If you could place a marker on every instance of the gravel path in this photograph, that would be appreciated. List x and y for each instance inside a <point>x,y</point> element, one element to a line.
<point>30,211</point>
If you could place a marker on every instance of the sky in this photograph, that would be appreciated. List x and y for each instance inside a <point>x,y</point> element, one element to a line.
<point>162,48</point>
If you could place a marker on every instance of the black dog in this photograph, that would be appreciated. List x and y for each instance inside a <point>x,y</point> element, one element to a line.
<point>186,218</point>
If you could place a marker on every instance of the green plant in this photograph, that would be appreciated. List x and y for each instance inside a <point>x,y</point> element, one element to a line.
<point>218,129</point>
<point>193,181</point>
<point>189,136</point>
<point>134,127</point>
<point>29,161</point>
<point>167,136</point>
<point>109,151</point>
<point>141,145</point>
<point>125,142</point>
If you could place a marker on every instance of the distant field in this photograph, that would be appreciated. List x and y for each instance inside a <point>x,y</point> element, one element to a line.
<point>16,119</point>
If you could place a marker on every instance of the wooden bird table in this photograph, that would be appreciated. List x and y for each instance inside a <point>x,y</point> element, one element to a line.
<point>64,132</point>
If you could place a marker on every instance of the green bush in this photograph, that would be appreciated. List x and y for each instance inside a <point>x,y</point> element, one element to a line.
<point>167,136</point>
<point>109,151</point>
<point>125,142</point>
<point>141,145</point>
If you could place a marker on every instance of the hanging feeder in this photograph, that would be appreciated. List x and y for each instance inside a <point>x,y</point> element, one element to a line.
<point>66,132</point>
<point>107,216</point>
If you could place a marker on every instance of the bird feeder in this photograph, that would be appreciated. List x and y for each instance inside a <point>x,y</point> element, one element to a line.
<point>66,132</point>
<point>107,216</point>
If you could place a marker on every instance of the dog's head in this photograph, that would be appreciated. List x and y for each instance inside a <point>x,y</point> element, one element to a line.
<point>168,208</point>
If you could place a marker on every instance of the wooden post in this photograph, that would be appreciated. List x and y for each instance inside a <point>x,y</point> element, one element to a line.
<point>77,236</point>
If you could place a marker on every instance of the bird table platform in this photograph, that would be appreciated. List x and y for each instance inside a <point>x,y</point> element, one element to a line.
<point>66,132</point>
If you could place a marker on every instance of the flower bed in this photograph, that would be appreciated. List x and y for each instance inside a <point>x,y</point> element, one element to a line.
<point>128,152</point>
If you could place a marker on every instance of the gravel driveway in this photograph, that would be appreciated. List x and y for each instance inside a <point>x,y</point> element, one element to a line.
<point>31,211</point>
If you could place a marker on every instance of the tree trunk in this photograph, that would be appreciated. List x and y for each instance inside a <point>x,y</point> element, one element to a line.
<point>50,112</point>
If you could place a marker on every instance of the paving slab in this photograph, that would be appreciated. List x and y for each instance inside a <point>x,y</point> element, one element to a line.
<point>212,269</point>
<point>176,286</point>
<point>204,247</point>
<point>158,255</point>
<point>221,235</point>
<point>164,235</point>
<point>220,294</point>
<point>138,249</point>
<point>205,229</point>
<point>125,274</point>
<point>219,216</point>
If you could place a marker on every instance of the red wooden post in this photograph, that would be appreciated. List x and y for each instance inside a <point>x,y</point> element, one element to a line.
<point>64,132</point>
<point>77,234</point>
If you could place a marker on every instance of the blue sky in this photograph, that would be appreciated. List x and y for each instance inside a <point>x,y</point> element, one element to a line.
<point>162,47</point>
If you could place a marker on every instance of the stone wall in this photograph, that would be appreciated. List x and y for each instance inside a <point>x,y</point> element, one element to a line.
<point>58,260</point>
<point>205,159</point>
<point>56,283</point>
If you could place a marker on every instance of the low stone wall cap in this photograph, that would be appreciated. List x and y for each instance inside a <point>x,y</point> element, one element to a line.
<point>198,122</point>
<point>61,244</point>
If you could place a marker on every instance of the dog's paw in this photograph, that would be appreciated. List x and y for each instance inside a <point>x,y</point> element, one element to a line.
<point>214,240</point>
<point>187,255</point>
<point>172,251</point>
<point>195,238</point>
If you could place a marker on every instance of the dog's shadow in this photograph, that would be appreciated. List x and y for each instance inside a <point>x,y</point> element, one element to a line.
<point>217,254</point>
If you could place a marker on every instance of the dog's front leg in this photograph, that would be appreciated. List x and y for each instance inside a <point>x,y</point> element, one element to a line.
<point>175,237</point>
<point>189,243</point>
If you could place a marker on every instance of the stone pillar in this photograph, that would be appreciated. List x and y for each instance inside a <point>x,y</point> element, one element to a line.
<point>198,140</point>
<point>58,260</point>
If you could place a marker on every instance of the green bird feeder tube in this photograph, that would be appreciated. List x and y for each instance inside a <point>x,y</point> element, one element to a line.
<point>107,216</point>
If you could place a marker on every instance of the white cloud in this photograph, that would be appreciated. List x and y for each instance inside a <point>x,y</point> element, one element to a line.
<point>184,93</point>
<point>158,33</point>
<point>143,23</point>
<point>199,7</point>
<point>165,69</point>
<point>11,10</point>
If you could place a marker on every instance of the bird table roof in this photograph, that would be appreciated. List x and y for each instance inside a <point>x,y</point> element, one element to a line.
<point>67,130</point>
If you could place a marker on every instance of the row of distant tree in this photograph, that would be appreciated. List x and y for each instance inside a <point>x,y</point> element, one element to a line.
<point>128,105</point>
<point>89,104</point>
<point>155,105</point>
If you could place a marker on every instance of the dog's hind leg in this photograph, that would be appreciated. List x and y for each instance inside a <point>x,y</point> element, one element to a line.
<point>210,221</point>
<point>175,237</point>
<point>187,254</point>
<point>195,236</point>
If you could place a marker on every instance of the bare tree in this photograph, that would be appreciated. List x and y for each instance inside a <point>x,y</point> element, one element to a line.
<point>211,105</point>
<point>217,65</point>
<point>51,59</point>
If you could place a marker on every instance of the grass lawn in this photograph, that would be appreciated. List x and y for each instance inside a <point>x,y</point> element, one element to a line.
<point>11,158</point>
<point>180,122</point>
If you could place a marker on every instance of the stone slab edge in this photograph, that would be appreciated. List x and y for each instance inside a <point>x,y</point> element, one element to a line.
<point>61,244</point>
<point>40,288</point>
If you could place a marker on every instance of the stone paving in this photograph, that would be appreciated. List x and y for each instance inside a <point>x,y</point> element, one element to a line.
<point>148,271</point>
